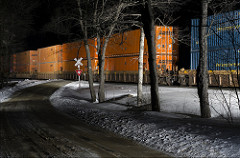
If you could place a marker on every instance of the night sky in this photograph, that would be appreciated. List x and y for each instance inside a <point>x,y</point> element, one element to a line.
<point>42,15</point>
<point>39,37</point>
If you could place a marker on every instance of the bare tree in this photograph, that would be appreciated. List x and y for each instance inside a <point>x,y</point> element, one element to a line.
<point>99,23</point>
<point>202,72</point>
<point>84,29</point>
<point>73,19</point>
<point>226,19</point>
<point>148,25</point>
<point>15,25</point>
<point>140,68</point>
<point>117,10</point>
<point>109,16</point>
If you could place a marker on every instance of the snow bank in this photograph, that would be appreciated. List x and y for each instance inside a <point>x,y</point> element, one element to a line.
<point>175,134</point>
<point>6,92</point>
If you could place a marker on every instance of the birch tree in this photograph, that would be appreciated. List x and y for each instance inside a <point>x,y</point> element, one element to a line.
<point>140,68</point>
<point>202,72</point>
<point>73,19</point>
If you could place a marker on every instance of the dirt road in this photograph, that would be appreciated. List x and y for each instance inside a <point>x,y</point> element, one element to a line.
<point>31,127</point>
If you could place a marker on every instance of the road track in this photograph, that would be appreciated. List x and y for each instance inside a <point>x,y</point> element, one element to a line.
<point>31,127</point>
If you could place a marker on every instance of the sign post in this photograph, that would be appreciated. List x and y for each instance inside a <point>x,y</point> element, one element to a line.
<point>78,64</point>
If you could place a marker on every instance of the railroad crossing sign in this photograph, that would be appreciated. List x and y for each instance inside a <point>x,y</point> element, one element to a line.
<point>79,72</point>
<point>78,62</point>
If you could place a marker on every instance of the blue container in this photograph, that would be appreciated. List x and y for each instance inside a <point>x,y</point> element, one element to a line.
<point>223,41</point>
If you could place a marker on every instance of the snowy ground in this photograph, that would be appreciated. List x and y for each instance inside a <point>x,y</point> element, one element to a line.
<point>6,92</point>
<point>175,134</point>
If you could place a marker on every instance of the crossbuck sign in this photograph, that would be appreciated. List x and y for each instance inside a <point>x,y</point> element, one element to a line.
<point>78,64</point>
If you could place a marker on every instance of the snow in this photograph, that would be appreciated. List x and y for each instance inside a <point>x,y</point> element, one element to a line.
<point>172,131</point>
<point>177,130</point>
<point>6,92</point>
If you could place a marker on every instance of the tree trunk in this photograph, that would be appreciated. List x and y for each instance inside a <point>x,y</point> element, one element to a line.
<point>1,71</point>
<point>83,24</point>
<point>90,75</point>
<point>140,68</point>
<point>101,91</point>
<point>148,25</point>
<point>202,72</point>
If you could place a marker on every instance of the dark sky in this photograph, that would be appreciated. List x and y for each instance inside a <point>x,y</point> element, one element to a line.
<point>41,16</point>
<point>40,38</point>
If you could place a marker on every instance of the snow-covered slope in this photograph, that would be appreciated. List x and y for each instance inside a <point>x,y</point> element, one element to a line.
<point>6,92</point>
<point>175,134</point>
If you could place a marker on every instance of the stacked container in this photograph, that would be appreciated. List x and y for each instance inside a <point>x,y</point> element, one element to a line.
<point>12,63</point>
<point>122,55</point>
<point>223,41</point>
<point>70,51</point>
<point>167,52</point>
<point>77,50</point>
<point>26,62</point>
<point>123,50</point>
<point>49,59</point>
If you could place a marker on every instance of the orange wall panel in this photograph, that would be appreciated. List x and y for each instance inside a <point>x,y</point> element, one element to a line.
<point>109,64</point>
<point>33,60</point>
<point>12,63</point>
<point>48,67</point>
<point>127,43</point>
<point>23,64</point>
<point>93,64</point>
<point>77,49</point>
<point>166,47</point>
<point>123,43</point>
<point>69,66</point>
<point>124,63</point>
<point>121,54</point>
<point>70,50</point>
<point>49,59</point>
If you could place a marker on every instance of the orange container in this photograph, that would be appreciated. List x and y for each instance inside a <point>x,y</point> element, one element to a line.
<point>123,50</point>
<point>77,50</point>
<point>124,63</point>
<point>94,64</point>
<point>124,43</point>
<point>22,62</point>
<point>12,63</point>
<point>50,59</point>
<point>109,64</point>
<point>166,47</point>
<point>33,60</point>
<point>70,50</point>
<point>26,62</point>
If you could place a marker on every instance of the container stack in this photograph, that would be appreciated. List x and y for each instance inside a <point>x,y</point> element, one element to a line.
<point>121,56</point>
<point>77,50</point>
<point>123,51</point>
<point>223,41</point>
<point>167,55</point>
<point>48,59</point>
<point>26,62</point>
<point>12,63</point>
